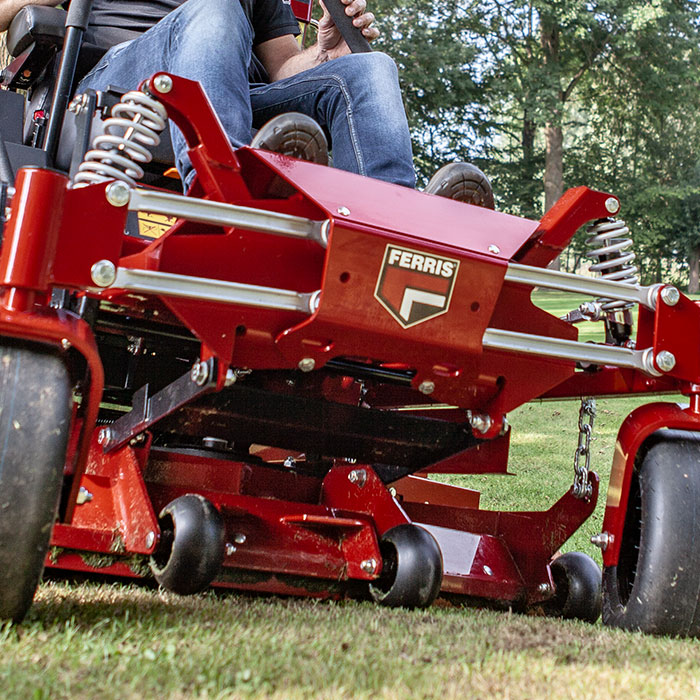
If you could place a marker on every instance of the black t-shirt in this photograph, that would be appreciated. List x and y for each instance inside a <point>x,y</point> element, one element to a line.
<point>114,21</point>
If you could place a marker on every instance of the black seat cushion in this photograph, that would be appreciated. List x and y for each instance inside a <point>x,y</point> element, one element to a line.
<point>35,23</point>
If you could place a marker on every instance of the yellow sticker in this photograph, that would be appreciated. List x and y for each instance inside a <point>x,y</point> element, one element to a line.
<point>154,225</point>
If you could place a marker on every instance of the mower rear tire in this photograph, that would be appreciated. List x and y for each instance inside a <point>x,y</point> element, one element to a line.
<point>411,568</point>
<point>35,416</point>
<point>655,586</point>
<point>577,588</point>
<point>192,545</point>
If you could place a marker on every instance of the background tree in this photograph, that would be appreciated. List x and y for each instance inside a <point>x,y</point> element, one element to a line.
<point>546,95</point>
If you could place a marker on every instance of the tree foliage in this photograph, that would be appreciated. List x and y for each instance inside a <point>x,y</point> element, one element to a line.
<point>549,94</point>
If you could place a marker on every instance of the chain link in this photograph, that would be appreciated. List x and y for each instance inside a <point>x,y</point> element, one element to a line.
<point>582,459</point>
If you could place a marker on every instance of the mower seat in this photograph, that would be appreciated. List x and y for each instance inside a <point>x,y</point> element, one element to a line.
<point>34,38</point>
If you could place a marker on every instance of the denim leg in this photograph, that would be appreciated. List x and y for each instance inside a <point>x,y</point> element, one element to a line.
<point>205,40</point>
<point>357,101</point>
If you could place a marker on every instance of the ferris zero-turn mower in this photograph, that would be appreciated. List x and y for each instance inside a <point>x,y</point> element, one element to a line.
<point>252,396</point>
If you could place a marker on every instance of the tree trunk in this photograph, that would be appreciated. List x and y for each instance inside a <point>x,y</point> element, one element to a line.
<point>554,139</point>
<point>553,164</point>
<point>553,135</point>
<point>694,271</point>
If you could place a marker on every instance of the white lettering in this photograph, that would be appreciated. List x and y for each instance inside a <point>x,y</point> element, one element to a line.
<point>448,268</point>
<point>417,263</point>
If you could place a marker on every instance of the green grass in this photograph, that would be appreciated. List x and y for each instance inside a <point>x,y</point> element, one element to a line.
<point>111,640</point>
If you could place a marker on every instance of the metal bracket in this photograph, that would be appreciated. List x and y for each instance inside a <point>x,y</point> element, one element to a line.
<point>147,410</point>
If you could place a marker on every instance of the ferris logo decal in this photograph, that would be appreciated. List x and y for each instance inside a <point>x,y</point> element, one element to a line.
<point>413,286</point>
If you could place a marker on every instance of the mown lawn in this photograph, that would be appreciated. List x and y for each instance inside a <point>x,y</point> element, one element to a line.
<point>112,640</point>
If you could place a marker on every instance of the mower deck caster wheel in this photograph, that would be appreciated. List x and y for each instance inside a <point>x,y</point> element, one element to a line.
<point>412,568</point>
<point>191,549</point>
<point>577,588</point>
<point>35,415</point>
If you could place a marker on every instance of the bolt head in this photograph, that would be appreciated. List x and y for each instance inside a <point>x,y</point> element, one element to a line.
<point>426,387</point>
<point>479,422</point>
<point>369,566</point>
<point>105,436</point>
<point>118,194</point>
<point>163,83</point>
<point>488,570</point>
<point>670,296</point>
<point>199,373</point>
<point>150,539</point>
<point>230,549</point>
<point>612,205</point>
<point>65,344</point>
<point>544,588</point>
<point>307,364</point>
<point>665,361</point>
<point>103,273</point>
<point>601,540</point>
<point>239,538</point>
<point>343,211</point>
<point>358,476</point>
<point>84,496</point>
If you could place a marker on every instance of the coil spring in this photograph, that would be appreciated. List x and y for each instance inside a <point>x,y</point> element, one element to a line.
<point>609,241</point>
<point>128,134</point>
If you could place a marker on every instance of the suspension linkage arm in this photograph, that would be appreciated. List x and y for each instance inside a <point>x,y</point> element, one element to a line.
<point>568,282</point>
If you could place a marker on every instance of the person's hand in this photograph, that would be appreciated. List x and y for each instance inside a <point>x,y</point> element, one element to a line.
<point>329,39</point>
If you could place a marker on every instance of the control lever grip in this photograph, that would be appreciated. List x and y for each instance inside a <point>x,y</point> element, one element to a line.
<point>353,35</point>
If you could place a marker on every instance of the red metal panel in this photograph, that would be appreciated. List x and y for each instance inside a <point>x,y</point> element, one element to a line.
<point>677,330</point>
<point>119,499</point>
<point>302,9</point>
<point>357,489</point>
<point>426,219</point>
<point>529,538</point>
<point>421,490</point>
<point>351,322</point>
<point>31,234</point>
<point>574,208</point>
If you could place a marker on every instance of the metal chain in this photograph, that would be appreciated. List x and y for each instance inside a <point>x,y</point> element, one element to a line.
<point>582,459</point>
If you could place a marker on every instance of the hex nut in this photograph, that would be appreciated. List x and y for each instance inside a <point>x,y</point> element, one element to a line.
<point>670,296</point>
<point>199,373</point>
<point>665,360</point>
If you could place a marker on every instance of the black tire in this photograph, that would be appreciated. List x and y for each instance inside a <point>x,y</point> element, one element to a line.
<point>577,588</point>
<point>412,568</point>
<point>35,416</point>
<point>192,544</point>
<point>655,586</point>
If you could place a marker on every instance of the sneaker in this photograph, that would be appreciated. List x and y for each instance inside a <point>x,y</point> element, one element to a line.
<point>462,182</point>
<point>293,134</point>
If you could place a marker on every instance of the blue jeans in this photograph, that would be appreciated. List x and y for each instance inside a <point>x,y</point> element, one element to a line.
<point>355,98</point>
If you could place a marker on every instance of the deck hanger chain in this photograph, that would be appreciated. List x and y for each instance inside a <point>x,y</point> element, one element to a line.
<point>582,488</point>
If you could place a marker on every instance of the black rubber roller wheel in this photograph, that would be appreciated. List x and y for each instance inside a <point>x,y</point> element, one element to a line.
<point>577,587</point>
<point>35,415</point>
<point>411,570</point>
<point>655,586</point>
<point>192,543</point>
